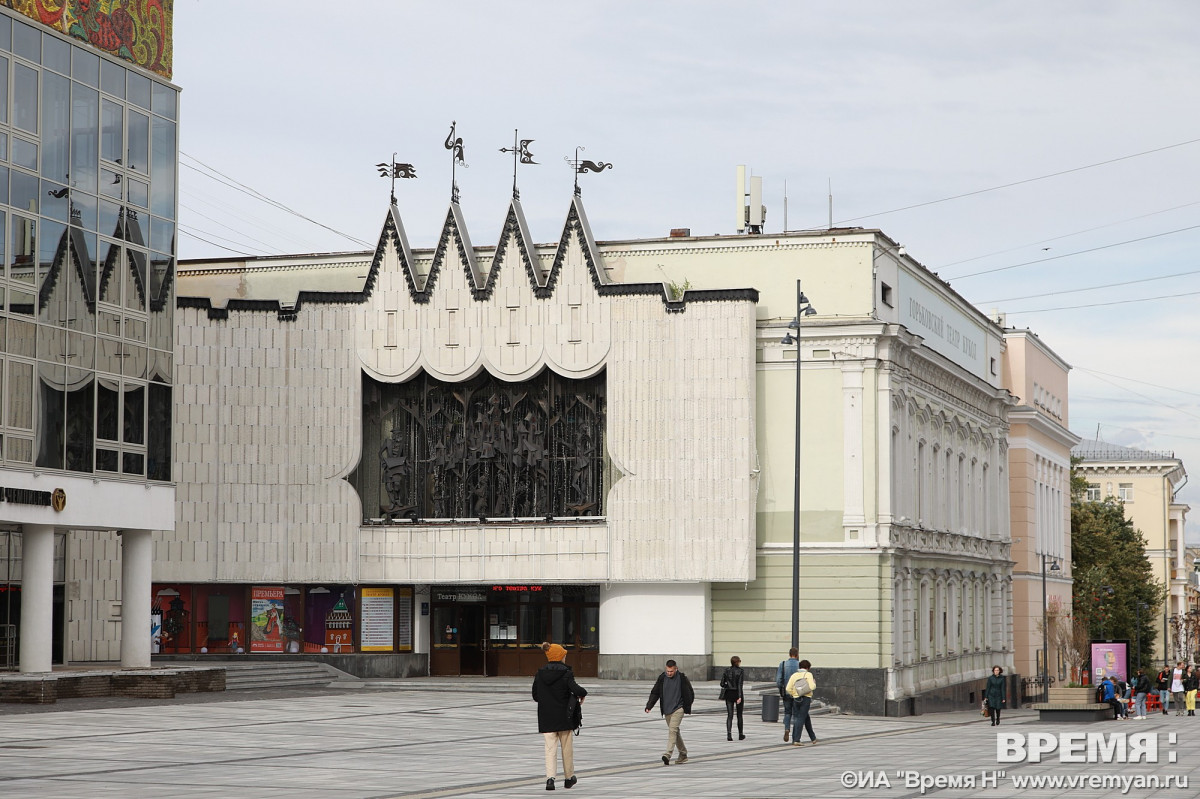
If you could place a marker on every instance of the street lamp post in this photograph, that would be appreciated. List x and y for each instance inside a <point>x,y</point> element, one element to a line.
<point>1137,608</point>
<point>1106,591</point>
<point>803,309</point>
<point>1054,567</point>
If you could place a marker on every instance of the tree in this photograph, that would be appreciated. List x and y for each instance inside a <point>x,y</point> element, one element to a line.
<point>1112,576</point>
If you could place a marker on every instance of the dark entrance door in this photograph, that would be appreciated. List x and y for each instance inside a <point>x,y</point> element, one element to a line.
<point>459,638</point>
<point>472,640</point>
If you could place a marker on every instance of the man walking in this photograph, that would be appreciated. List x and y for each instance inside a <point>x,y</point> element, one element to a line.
<point>782,674</point>
<point>554,688</point>
<point>1177,689</point>
<point>801,686</point>
<point>673,691</point>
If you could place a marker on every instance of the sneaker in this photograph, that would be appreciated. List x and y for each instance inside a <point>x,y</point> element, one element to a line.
<point>570,783</point>
<point>787,734</point>
<point>797,743</point>
<point>666,760</point>
<point>813,742</point>
<point>550,784</point>
<point>681,759</point>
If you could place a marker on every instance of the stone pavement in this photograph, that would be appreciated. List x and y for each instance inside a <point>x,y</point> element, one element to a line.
<point>477,738</point>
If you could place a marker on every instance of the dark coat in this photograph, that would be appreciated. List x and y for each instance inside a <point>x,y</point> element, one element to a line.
<point>996,691</point>
<point>553,687</point>
<point>732,680</point>
<point>686,692</point>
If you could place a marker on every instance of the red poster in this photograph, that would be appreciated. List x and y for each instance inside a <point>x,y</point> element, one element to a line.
<point>266,619</point>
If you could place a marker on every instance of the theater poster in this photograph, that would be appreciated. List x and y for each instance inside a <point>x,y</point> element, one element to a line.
<point>266,619</point>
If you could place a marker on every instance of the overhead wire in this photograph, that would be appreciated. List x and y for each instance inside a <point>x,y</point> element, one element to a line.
<point>1093,288</point>
<point>1069,235</point>
<point>238,185</point>
<point>227,227</point>
<point>258,223</point>
<point>1077,252</point>
<point>1105,304</point>
<point>1023,182</point>
<point>1147,398</point>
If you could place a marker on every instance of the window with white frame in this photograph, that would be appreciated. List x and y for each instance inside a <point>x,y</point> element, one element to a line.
<point>1125,492</point>
<point>1093,492</point>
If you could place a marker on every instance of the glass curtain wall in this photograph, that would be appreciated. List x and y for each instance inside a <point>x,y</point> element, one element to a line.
<point>88,171</point>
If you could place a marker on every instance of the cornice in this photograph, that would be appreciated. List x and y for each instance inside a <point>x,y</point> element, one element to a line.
<point>920,541</point>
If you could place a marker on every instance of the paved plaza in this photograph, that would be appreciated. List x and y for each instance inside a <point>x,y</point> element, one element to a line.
<point>475,738</point>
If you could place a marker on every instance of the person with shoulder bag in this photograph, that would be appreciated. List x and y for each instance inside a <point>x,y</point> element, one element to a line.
<point>800,687</point>
<point>558,696</point>
<point>731,693</point>
<point>996,694</point>
<point>782,674</point>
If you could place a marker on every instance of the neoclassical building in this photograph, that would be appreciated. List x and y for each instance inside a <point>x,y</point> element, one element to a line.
<point>430,460</point>
<point>1146,482</point>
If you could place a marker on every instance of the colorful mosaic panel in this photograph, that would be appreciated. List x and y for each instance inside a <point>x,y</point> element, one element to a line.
<point>138,31</point>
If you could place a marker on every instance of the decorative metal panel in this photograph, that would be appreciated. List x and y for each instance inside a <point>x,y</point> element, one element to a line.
<point>482,449</point>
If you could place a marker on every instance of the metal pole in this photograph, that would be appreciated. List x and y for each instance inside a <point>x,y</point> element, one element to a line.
<point>1137,610</point>
<point>796,502</point>
<point>1045,638</point>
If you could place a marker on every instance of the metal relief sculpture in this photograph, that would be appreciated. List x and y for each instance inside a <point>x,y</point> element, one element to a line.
<point>484,448</point>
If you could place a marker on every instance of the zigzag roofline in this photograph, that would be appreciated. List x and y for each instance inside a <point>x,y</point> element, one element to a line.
<point>454,228</point>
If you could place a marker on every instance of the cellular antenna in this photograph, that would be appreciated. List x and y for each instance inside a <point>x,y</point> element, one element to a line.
<point>750,215</point>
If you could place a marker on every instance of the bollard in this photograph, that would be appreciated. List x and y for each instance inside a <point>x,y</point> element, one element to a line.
<point>770,708</point>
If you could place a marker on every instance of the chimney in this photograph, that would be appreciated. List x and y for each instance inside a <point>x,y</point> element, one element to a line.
<point>681,232</point>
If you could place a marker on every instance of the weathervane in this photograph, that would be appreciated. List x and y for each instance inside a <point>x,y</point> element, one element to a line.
<point>520,150</point>
<point>582,166</point>
<point>455,146</point>
<point>394,171</point>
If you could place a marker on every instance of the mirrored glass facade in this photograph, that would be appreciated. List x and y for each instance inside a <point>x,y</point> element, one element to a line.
<point>88,171</point>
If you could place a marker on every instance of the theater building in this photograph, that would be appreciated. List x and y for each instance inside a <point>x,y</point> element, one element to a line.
<point>475,449</point>
<point>88,132</point>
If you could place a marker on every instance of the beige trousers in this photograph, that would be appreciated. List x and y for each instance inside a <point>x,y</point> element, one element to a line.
<point>673,736</point>
<point>553,740</point>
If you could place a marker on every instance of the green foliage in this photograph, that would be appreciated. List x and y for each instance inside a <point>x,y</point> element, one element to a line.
<point>1079,483</point>
<point>676,290</point>
<point>1113,577</point>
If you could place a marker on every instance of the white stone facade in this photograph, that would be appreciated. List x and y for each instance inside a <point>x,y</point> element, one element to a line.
<point>269,425</point>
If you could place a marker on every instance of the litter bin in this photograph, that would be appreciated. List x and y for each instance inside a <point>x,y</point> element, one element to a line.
<point>770,708</point>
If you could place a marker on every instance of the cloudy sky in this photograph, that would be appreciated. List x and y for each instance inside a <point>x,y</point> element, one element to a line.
<point>1031,154</point>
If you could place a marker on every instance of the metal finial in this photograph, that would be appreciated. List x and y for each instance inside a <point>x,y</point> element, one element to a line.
<point>520,151</point>
<point>395,170</point>
<point>455,146</point>
<point>581,166</point>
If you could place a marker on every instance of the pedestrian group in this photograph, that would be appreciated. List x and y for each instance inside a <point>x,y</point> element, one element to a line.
<point>560,701</point>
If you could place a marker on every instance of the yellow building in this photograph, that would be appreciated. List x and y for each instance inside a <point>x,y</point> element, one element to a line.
<point>1146,483</point>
